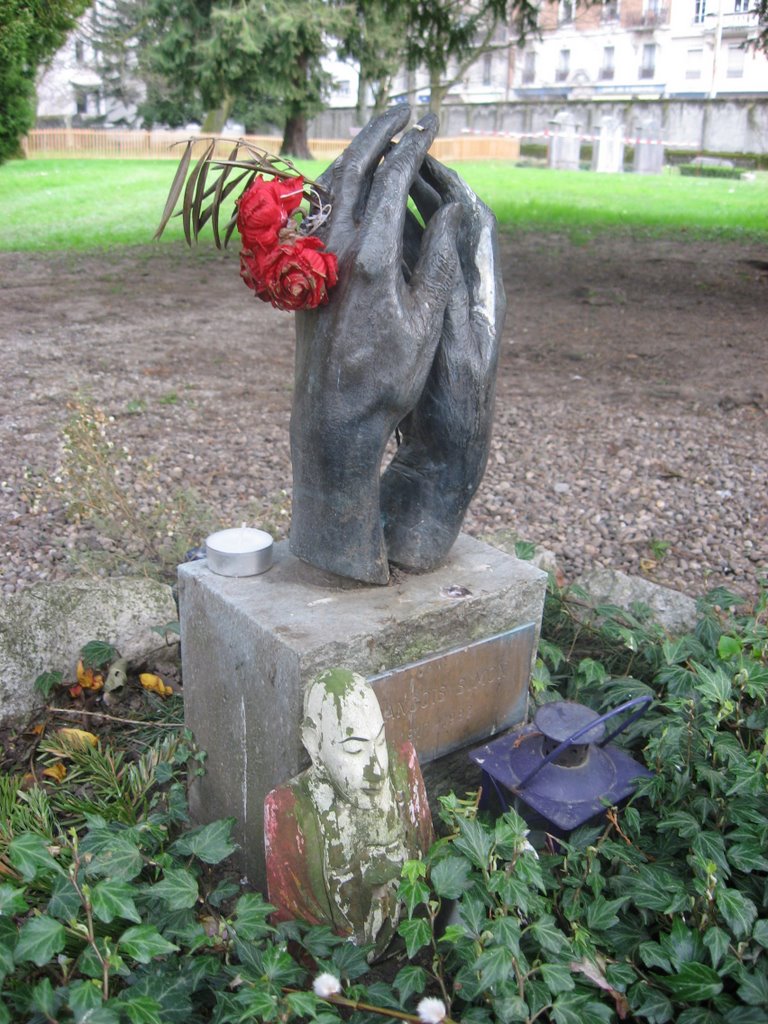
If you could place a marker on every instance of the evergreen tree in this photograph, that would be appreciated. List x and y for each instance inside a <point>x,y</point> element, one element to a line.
<point>31,31</point>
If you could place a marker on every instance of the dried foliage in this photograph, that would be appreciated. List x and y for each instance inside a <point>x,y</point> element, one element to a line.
<point>213,181</point>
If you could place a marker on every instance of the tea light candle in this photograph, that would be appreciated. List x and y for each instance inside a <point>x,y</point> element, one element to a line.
<point>242,551</point>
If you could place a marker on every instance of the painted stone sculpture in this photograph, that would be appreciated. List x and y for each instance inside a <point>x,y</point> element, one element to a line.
<point>407,343</point>
<point>337,835</point>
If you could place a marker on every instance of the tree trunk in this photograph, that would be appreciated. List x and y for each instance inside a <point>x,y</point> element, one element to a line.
<point>295,141</point>
<point>214,121</point>
<point>361,113</point>
<point>437,91</point>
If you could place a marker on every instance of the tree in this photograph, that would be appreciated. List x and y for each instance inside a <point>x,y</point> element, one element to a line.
<point>376,40</point>
<point>240,55</point>
<point>443,33</point>
<point>31,31</point>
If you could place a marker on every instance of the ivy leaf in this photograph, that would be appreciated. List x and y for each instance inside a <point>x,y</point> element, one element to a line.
<point>177,889</point>
<point>141,1009</point>
<point>548,934</point>
<point>601,913</point>
<point>350,960</point>
<point>413,894</point>
<point>473,841</point>
<point>711,846</point>
<point>143,942</point>
<point>473,913</point>
<point>46,682</point>
<point>760,932</point>
<point>40,939</point>
<point>111,899</point>
<point>713,684</point>
<point>653,955</point>
<point>717,942</point>
<point>410,980</point>
<point>303,1004</point>
<point>511,1008</point>
<point>694,983</point>
<point>118,858</point>
<point>416,934</point>
<point>494,965</point>
<point>557,978</point>
<point>450,877</point>
<point>44,999</point>
<point>83,997</point>
<point>210,843</point>
<point>251,914</point>
<point>30,856</point>
<point>738,911</point>
<point>12,901</point>
<point>753,989</point>
<point>648,1002</point>
<point>97,653</point>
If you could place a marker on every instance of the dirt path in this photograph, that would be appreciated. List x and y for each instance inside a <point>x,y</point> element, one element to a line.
<point>632,412</point>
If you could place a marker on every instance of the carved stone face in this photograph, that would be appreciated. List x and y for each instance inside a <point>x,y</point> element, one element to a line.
<point>344,735</point>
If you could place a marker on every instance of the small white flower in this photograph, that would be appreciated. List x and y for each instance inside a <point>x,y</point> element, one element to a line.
<point>326,985</point>
<point>431,1011</point>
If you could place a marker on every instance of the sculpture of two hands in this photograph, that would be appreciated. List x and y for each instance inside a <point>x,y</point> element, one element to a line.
<point>408,343</point>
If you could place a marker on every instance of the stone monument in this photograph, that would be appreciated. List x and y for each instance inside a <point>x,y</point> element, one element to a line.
<point>564,142</point>
<point>337,835</point>
<point>608,148</point>
<point>649,147</point>
<point>405,349</point>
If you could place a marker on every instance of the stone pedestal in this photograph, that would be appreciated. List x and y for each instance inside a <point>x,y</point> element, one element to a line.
<point>250,645</point>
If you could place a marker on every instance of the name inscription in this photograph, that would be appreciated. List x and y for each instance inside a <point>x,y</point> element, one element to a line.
<point>449,700</point>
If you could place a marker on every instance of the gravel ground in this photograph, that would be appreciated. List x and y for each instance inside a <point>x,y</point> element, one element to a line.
<point>632,406</point>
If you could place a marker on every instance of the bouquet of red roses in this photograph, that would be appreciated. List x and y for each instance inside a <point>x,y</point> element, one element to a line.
<point>281,261</point>
<point>279,264</point>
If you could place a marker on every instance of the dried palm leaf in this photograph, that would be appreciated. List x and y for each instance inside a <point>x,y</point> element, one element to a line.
<point>197,192</point>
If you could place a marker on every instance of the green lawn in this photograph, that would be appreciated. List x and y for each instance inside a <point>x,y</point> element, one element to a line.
<point>82,204</point>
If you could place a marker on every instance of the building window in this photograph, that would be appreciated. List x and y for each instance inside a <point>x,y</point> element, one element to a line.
<point>487,69</point>
<point>529,67</point>
<point>341,87</point>
<point>563,65</point>
<point>648,65</point>
<point>79,51</point>
<point>741,6</point>
<point>699,11</point>
<point>610,10</point>
<point>693,64</point>
<point>607,69</point>
<point>735,66</point>
<point>566,12</point>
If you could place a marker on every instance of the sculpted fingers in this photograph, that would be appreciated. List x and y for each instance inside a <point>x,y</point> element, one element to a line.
<point>349,177</point>
<point>435,272</point>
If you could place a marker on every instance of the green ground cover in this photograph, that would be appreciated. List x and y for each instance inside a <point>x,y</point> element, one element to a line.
<point>84,204</point>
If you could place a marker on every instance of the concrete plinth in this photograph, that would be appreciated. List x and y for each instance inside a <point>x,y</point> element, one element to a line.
<point>250,645</point>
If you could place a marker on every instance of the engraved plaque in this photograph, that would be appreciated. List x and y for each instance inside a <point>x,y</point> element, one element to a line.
<point>454,698</point>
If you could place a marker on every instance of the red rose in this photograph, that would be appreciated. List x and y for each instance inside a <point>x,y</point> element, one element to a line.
<point>263,210</point>
<point>298,276</point>
<point>252,271</point>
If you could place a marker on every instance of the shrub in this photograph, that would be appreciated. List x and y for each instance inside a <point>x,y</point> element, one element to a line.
<point>709,171</point>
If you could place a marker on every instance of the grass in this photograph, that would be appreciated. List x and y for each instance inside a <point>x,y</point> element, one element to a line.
<point>85,204</point>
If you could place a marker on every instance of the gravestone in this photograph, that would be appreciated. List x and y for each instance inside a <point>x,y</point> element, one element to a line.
<point>564,142</point>
<point>649,147</point>
<point>608,147</point>
<point>251,645</point>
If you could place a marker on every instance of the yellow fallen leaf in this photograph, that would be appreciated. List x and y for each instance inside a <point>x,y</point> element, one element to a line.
<point>78,737</point>
<point>57,772</point>
<point>87,678</point>
<point>154,683</point>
